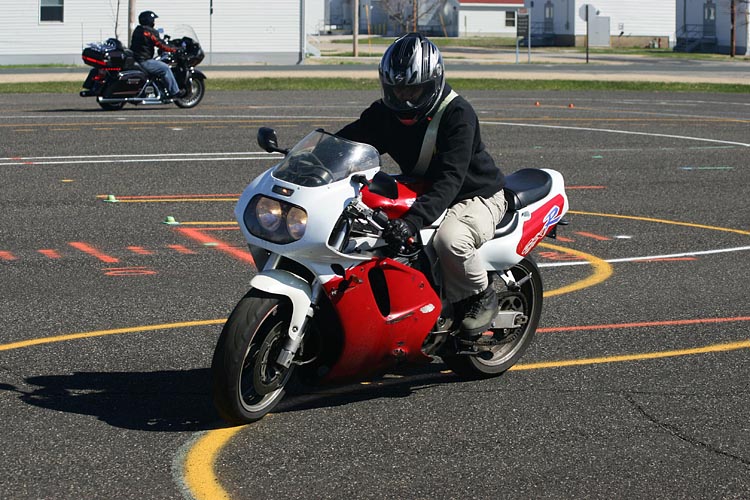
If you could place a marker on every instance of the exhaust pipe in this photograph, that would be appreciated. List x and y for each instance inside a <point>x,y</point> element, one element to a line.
<point>135,100</point>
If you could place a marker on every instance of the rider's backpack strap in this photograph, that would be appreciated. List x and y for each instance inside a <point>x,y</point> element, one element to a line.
<point>428,144</point>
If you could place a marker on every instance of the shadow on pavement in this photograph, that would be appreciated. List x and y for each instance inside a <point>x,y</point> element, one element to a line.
<point>180,401</point>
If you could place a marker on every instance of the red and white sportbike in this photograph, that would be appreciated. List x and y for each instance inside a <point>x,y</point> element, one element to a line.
<point>331,302</point>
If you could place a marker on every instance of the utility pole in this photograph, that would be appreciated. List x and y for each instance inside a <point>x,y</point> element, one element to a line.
<point>415,9</point>
<point>355,28</point>
<point>733,21</point>
<point>131,20</point>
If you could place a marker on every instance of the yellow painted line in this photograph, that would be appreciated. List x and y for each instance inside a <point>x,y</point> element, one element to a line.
<point>733,346</point>
<point>663,221</point>
<point>102,333</point>
<point>199,464</point>
<point>602,271</point>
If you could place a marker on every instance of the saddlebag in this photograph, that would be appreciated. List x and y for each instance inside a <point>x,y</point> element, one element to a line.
<point>128,84</point>
<point>110,55</point>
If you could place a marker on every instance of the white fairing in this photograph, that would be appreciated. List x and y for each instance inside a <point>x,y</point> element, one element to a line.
<point>506,251</point>
<point>323,204</point>
<point>278,282</point>
<point>324,201</point>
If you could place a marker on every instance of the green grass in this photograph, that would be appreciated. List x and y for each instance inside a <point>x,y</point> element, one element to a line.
<point>315,84</point>
<point>18,66</point>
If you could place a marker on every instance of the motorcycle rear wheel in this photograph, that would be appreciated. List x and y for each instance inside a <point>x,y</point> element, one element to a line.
<point>111,106</point>
<point>194,95</point>
<point>247,384</point>
<point>527,300</point>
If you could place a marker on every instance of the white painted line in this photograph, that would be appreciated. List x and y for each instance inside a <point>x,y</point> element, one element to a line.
<point>650,257</point>
<point>613,131</point>
<point>219,153</point>
<point>131,160</point>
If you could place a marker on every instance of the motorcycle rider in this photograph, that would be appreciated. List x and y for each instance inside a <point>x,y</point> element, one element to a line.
<point>450,156</point>
<point>145,39</point>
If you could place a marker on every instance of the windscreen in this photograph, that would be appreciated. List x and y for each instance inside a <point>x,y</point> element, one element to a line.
<point>322,158</point>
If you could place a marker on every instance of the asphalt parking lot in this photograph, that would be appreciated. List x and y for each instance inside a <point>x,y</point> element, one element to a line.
<point>636,385</point>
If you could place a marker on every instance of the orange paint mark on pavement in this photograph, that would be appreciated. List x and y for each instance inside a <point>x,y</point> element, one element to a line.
<point>4,255</point>
<point>612,326</point>
<point>49,253</point>
<point>592,236</point>
<point>199,236</point>
<point>88,249</point>
<point>181,249</point>
<point>168,196</point>
<point>140,251</point>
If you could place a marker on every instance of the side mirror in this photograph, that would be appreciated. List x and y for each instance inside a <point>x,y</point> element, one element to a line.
<point>268,141</point>
<point>384,185</point>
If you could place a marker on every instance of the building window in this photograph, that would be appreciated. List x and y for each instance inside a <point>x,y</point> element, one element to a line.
<point>51,10</point>
<point>510,19</point>
<point>709,11</point>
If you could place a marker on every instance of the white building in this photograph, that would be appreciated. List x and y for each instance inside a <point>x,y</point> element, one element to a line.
<point>706,25</point>
<point>558,22</point>
<point>233,31</point>
<point>393,17</point>
<point>488,17</point>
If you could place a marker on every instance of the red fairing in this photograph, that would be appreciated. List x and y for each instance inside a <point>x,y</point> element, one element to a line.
<point>542,220</point>
<point>407,193</point>
<point>379,333</point>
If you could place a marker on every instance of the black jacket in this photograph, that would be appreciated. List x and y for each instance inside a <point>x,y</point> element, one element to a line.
<point>145,39</point>
<point>461,168</point>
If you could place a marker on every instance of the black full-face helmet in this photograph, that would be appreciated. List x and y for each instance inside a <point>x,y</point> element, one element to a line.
<point>146,18</point>
<point>412,77</point>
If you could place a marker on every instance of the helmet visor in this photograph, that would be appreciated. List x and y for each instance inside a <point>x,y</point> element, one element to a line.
<point>409,98</point>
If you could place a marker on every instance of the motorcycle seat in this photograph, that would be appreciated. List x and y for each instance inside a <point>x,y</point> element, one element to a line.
<point>526,186</point>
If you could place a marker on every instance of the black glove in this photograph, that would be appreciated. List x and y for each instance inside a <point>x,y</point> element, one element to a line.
<point>397,232</point>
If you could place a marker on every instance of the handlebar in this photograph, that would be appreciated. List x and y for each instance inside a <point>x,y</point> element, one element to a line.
<point>377,220</point>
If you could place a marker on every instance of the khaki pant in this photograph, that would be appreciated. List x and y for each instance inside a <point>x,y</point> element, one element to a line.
<point>466,227</point>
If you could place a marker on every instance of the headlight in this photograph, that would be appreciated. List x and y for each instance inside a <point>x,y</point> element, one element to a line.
<point>268,212</point>
<point>296,222</point>
<point>275,220</point>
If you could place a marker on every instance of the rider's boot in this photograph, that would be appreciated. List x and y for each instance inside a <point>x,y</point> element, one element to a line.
<point>480,310</point>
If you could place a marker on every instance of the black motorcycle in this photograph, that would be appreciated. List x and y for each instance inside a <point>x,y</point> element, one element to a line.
<point>117,79</point>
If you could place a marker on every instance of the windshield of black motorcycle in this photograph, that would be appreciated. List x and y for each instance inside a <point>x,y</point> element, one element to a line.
<point>322,158</point>
<point>183,31</point>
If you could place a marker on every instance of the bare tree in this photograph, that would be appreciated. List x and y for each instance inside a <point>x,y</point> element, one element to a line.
<point>407,14</point>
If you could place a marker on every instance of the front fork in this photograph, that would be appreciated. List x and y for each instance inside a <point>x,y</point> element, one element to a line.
<point>297,333</point>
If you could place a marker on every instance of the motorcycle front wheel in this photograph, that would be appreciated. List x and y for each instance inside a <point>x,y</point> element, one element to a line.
<point>247,382</point>
<point>194,94</point>
<point>526,299</point>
